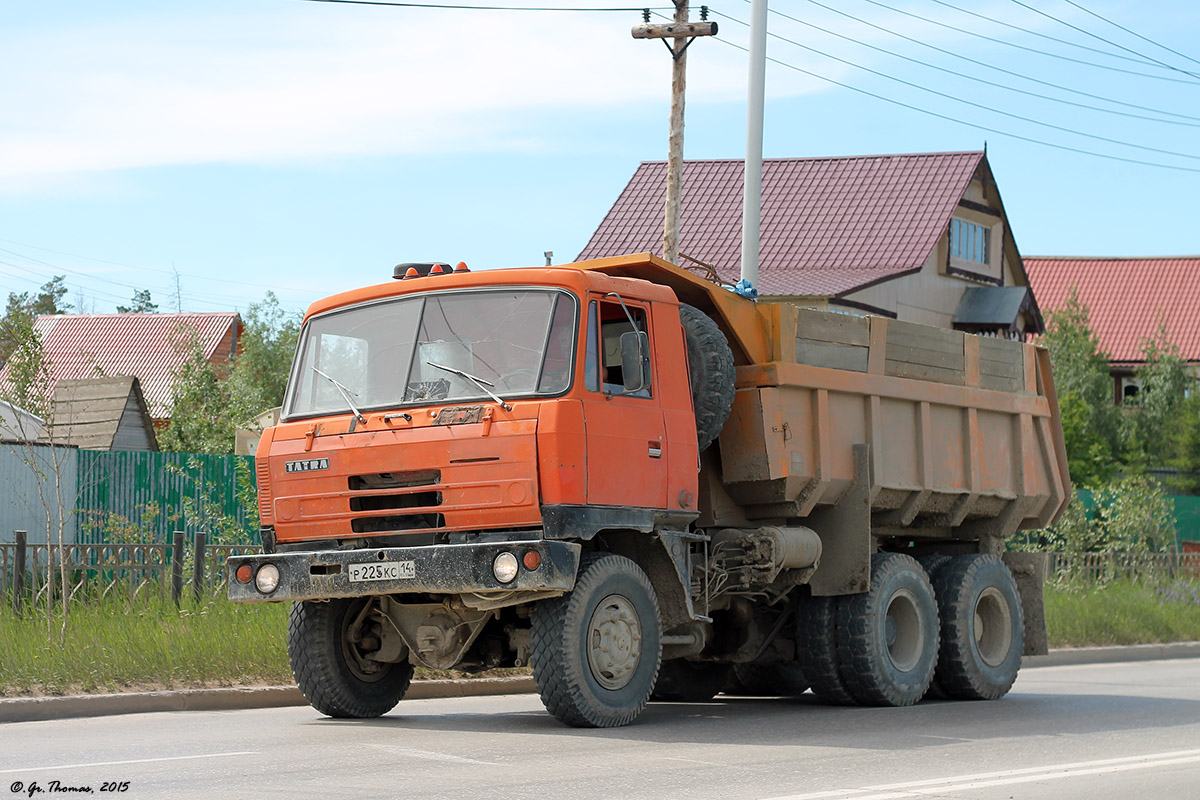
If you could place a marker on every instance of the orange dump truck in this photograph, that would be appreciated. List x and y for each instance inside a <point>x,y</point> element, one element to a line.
<point>646,487</point>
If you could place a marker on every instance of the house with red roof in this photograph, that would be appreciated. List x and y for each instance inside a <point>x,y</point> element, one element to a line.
<point>1126,300</point>
<point>922,237</point>
<point>149,347</point>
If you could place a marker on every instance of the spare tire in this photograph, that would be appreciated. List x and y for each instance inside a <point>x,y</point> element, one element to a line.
<point>710,370</point>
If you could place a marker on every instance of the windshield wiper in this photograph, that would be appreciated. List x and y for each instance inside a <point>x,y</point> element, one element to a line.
<point>480,382</point>
<point>345,395</point>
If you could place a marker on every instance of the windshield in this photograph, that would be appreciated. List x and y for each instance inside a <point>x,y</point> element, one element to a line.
<point>435,348</point>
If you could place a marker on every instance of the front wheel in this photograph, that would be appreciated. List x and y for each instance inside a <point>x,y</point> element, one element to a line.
<point>596,650</point>
<point>329,644</point>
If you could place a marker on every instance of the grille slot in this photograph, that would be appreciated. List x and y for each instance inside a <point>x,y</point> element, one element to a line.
<point>395,480</point>
<point>389,501</point>
<point>400,522</point>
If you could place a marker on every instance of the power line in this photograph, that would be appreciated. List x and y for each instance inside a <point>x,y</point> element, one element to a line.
<point>475,8</point>
<point>1022,76</point>
<point>980,106</point>
<point>1098,37</point>
<point>1026,48</point>
<point>976,126</point>
<point>965,76</point>
<point>1130,32</point>
<point>1040,35</point>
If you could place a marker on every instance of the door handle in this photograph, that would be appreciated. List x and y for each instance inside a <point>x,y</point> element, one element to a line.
<point>656,449</point>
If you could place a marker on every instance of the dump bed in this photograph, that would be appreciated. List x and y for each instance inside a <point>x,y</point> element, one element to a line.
<point>962,429</point>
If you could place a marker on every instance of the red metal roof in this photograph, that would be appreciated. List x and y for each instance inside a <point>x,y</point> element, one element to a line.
<point>1125,296</point>
<point>829,225</point>
<point>135,345</point>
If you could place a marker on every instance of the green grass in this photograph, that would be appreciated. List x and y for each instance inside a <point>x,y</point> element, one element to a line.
<point>115,646</point>
<point>112,646</point>
<point>1123,612</point>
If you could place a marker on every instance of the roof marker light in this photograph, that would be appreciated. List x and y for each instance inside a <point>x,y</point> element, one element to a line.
<point>436,269</point>
<point>461,267</point>
<point>411,273</point>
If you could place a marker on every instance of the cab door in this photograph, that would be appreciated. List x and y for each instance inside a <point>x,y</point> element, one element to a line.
<point>626,436</point>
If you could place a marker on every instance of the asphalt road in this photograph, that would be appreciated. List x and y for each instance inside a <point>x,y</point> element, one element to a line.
<point>1094,731</point>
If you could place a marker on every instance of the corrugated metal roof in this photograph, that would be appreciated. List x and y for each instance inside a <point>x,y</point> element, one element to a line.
<point>829,225</point>
<point>137,345</point>
<point>1125,297</point>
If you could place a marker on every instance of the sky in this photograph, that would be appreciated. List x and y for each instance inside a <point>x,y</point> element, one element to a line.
<point>211,151</point>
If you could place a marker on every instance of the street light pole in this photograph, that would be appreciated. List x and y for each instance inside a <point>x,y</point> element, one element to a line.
<point>752,187</point>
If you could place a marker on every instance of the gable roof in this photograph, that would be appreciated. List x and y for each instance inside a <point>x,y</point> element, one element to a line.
<point>1125,296</point>
<point>140,345</point>
<point>89,412</point>
<point>829,225</point>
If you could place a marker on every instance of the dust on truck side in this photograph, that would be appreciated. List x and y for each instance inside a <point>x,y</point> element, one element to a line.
<point>646,487</point>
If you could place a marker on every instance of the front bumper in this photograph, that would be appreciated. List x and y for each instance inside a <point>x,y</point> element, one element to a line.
<point>435,569</point>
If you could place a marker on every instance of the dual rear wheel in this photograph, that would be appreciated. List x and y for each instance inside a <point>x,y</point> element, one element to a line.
<point>949,626</point>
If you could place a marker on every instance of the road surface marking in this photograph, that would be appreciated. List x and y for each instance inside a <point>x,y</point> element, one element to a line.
<point>53,767</point>
<point>982,780</point>
<point>432,755</point>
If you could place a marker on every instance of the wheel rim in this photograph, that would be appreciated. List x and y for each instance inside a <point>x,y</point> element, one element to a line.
<point>993,627</point>
<point>905,631</point>
<point>614,642</point>
<point>357,642</point>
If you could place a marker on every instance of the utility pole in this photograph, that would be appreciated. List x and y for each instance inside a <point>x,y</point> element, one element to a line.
<point>683,33</point>
<point>752,187</point>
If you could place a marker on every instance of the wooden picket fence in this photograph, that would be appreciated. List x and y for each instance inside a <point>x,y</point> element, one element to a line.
<point>30,573</point>
<point>1097,566</point>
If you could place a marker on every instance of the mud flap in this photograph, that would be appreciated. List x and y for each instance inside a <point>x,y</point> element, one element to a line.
<point>1029,569</point>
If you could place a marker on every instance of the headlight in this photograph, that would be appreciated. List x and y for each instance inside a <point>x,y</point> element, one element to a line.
<point>505,567</point>
<point>267,579</point>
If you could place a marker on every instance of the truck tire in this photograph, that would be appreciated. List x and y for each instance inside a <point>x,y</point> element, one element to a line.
<point>710,370</point>
<point>887,639</point>
<point>328,667</point>
<point>683,681</point>
<point>816,650</point>
<point>777,679</point>
<point>596,650</point>
<point>983,631</point>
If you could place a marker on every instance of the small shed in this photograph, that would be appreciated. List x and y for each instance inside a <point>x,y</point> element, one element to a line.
<point>103,414</point>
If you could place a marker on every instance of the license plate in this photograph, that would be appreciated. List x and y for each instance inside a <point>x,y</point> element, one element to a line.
<point>382,571</point>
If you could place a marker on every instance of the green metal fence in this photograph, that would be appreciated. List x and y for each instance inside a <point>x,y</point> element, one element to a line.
<point>142,497</point>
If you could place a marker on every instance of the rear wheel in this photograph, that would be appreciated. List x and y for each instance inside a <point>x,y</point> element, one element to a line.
<point>683,681</point>
<point>983,631</point>
<point>329,645</point>
<point>888,638</point>
<point>816,650</point>
<point>596,650</point>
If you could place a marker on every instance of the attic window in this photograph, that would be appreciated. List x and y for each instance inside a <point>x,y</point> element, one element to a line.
<point>969,241</point>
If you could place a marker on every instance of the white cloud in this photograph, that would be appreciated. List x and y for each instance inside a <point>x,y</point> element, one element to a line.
<point>314,81</point>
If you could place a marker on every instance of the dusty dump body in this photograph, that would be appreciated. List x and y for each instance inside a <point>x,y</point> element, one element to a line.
<point>647,487</point>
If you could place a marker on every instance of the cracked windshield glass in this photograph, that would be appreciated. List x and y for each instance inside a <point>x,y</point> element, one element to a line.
<point>422,350</point>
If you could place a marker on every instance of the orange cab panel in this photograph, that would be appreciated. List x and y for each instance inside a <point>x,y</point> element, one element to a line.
<point>409,480</point>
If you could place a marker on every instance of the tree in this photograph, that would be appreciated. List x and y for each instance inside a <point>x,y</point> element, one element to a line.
<point>28,387</point>
<point>1091,421</point>
<point>141,304</point>
<point>1187,447</point>
<point>200,410</point>
<point>1151,419</point>
<point>22,310</point>
<point>260,372</point>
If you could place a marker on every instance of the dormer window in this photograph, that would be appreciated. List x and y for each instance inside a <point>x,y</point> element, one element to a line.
<point>969,242</point>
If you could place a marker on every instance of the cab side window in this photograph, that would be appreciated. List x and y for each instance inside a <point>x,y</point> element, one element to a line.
<point>604,364</point>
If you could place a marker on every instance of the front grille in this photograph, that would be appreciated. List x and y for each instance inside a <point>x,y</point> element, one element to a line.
<point>386,502</point>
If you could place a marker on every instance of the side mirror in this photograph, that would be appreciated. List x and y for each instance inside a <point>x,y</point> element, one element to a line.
<point>635,360</point>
